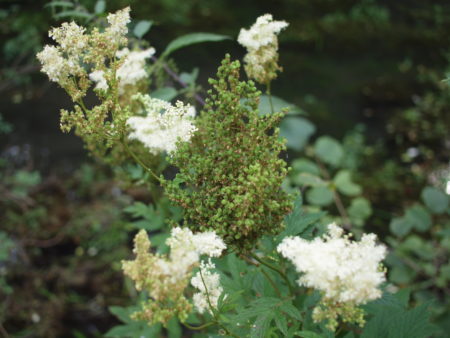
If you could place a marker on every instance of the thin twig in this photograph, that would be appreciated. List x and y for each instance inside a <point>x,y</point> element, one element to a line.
<point>336,197</point>
<point>177,78</point>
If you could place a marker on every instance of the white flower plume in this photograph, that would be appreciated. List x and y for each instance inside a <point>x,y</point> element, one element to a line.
<point>344,270</point>
<point>164,124</point>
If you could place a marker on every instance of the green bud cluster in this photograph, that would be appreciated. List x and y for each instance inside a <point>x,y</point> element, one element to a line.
<point>331,311</point>
<point>230,173</point>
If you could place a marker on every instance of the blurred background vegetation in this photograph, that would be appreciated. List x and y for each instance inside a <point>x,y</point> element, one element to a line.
<point>371,74</point>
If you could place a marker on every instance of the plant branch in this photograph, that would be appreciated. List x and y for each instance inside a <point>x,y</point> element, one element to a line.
<point>177,78</point>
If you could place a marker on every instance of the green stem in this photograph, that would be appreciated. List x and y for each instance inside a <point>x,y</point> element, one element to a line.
<point>213,311</point>
<point>281,273</point>
<point>138,160</point>
<point>201,327</point>
<point>269,94</point>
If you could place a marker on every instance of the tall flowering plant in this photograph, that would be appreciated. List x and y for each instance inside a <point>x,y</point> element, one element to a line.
<point>231,262</point>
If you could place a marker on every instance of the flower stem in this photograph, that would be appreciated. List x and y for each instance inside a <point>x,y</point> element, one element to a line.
<point>213,311</point>
<point>269,94</point>
<point>201,327</point>
<point>138,160</point>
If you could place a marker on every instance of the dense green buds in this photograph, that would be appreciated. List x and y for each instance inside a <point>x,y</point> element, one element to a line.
<point>230,173</point>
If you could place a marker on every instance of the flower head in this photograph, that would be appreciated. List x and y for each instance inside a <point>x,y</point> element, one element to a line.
<point>165,277</point>
<point>132,69</point>
<point>261,42</point>
<point>346,272</point>
<point>164,125</point>
<point>208,282</point>
<point>118,24</point>
<point>98,77</point>
<point>57,67</point>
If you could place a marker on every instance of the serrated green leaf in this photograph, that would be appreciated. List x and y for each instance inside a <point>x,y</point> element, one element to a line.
<point>261,325</point>
<point>435,199</point>
<point>321,196</point>
<point>297,221</point>
<point>297,131</point>
<point>345,185</point>
<point>329,150</point>
<point>393,322</point>
<point>174,328</point>
<point>281,322</point>
<point>118,331</point>
<point>291,310</point>
<point>122,313</point>
<point>141,28</point>
<point>190,39</point>
<point>308,334</point>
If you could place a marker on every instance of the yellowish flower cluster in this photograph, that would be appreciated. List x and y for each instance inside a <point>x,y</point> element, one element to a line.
<point>166,277</point>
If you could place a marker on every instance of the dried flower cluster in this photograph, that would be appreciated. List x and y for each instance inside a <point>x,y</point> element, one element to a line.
<point>261,42</point>
<point>163,126</point>
<point>166,277</point>
<point>346,272</point>
<point>231,169</point>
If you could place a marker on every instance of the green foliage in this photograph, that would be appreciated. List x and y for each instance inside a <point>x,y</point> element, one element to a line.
<point>141,28</point>
<point>190,39</point>
<point>393,319</point>
<point>230,174</point>
<point>328,150</point>
<point>435,200</point>
<point>297,131</point>
<point>131,327</point>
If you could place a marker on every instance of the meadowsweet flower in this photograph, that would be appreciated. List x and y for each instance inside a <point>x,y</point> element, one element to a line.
<point>70,37</point>
<point>208,282</point>
<point>118,25</point>
<point>163,126</point>
<point>261,42</point>
<point>133,68</point>
<point>98,77</point>
<point>346,272</point>
<point>57,68</point>
<point>165,277</point>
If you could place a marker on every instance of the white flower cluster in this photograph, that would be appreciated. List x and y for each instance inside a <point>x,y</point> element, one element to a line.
<point>186,249</point>
<point>67,57</point>
<point>98,76</point>
<point>118,21</point>
<point>262,45</point>
<point>130,72</point>
<point>208,282</point>
<point>59,62</point>
<point>133,68</point>
<point>70,37</point>
<point>263,32</point>
<point>344,270</point>
<point>164,124</point>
